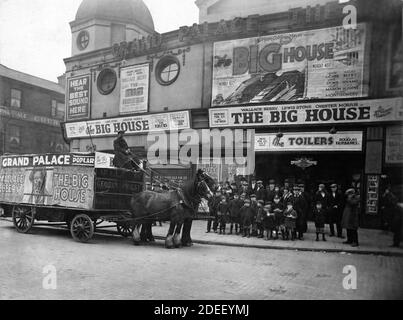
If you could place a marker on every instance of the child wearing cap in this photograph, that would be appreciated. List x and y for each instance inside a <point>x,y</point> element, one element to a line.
<point>223,213</point>
<point>246,216</point>
<point>290,217</point>
<point>259,218</point>
<point>278,210</point>
<point>235,206</point>
<point>254,206</point>
<point>319,217</point>
<point>269,221</point>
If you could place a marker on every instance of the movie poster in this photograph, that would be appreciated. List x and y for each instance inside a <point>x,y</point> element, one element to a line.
<point>315,64</point>
<point>134,87</point>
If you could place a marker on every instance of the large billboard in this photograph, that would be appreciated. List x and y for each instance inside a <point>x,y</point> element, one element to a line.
<point>315,64</point>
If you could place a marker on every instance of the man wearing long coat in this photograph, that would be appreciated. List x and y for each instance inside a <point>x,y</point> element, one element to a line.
<point>301,206</point>
<point>350,220</point>
<point>336,203</point>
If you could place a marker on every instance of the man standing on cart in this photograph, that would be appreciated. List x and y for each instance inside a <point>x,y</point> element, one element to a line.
<point>124,158</point>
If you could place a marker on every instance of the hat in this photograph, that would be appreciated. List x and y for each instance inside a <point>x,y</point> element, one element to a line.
<point>333,185</point>
<point>322,185</point>
<point>272,181</point>
<point>253,196</point>
<point>267,207</point>
<point>261,201</point>
<point>350,191</point>
<point>247,200</point>
<point>259,182</point>
<point>121,131</point>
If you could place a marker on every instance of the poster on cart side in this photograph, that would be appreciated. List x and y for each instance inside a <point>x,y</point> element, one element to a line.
<point>70,187</point>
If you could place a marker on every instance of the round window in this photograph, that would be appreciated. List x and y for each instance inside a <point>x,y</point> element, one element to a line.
<point>106,82</point>
<point>83,40</point>
<point>167,70</point>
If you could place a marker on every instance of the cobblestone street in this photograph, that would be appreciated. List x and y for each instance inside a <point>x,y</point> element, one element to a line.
<point>110,267</point>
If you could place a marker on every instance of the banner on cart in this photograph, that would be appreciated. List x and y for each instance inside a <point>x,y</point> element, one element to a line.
<point>309,141</point>
<point>360,111</point>
<point>48,186</point>
<point>48,160</point>
<point>132,125</point>
<point>315,64</point>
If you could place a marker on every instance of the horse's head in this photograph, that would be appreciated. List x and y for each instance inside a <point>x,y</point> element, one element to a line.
<point>204,184</point>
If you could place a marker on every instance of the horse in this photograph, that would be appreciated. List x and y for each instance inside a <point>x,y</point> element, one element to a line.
<point>177,206</point>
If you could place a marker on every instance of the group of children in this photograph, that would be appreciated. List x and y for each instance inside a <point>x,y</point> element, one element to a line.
<point>248,216</point>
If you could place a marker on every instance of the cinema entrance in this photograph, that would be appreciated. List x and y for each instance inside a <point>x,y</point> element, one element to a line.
<point>312,158</point>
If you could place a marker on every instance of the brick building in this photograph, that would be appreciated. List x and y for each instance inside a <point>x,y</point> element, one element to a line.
<point>31,110</point>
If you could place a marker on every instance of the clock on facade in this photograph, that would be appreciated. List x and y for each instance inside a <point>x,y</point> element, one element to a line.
<point>83,40</point>
<point>106,82</point>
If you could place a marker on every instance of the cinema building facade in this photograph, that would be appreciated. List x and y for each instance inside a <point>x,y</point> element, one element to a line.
<point>324,102</point>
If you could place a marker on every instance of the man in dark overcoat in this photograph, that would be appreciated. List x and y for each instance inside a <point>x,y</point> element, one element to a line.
<point>336,205</point>
<point>123,156</point>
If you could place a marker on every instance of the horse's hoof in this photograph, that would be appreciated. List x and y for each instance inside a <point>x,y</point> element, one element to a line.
<point>187,244</point>
<point>169,243</point>
<point>136,243</point>
<point>151,239</point>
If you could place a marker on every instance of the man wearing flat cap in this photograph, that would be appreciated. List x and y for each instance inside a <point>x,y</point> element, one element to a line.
<point>123,156</point>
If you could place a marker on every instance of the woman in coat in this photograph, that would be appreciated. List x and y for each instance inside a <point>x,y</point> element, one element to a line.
<point>351,217</point>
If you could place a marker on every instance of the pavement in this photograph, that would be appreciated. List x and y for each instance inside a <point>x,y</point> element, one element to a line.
<point>371,241</point>
<point>111,267</point>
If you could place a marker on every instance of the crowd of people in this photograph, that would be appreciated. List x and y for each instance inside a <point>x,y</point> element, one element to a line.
<point>282,211</point>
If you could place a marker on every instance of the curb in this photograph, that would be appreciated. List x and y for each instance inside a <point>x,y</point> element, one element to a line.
<point>241,245</point>
<point>254,246</point>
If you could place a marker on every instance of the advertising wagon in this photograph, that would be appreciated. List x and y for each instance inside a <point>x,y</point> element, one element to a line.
<point>80,190</point>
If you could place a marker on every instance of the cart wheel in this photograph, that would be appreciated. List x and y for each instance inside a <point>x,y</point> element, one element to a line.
<point>125,229</point>
<point>82,228</point>
<point>23,218</point>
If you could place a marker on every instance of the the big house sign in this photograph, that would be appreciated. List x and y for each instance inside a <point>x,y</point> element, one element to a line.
<point>358,111</point>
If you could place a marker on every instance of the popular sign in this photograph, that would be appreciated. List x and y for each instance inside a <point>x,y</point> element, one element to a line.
<point>134,89</point>
<point>381,110</point>
<point>132,125</point>
<point>78,97</point>
<point>46,160</point>
<point>315,64</point>
<point>309,141</point>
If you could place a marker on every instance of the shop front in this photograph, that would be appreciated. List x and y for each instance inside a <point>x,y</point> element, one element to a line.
<point>310,157</point>
<point>354,143</point>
